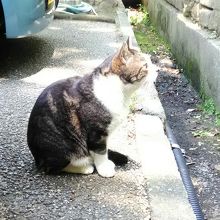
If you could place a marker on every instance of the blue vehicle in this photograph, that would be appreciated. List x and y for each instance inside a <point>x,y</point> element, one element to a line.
<point>20,18</point>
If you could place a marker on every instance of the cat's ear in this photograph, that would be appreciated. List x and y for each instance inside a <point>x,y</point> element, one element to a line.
<point>126,50</point>
<point>123,53</point>
<point>131,47</point>
<point>121,56</point>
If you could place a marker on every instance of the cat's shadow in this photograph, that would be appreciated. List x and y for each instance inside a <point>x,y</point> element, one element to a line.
<point>23,57</point>
<point>130,165</point>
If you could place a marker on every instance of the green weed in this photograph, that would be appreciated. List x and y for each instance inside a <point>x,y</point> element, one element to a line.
<point>202,134</point>
<point>146,34</point>
<point>208,107</point>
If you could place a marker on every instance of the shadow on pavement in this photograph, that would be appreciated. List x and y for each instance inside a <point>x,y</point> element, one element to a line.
<point>23,57</point>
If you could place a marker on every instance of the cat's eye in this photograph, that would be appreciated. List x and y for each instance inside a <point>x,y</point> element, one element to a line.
<point>140,76</point>
<point>133,79</point>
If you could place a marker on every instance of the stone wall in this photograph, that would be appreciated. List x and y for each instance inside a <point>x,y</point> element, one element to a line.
<point>196,49</point>
<point>204,12</point>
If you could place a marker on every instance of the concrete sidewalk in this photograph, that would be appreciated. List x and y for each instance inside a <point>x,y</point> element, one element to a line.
<point>149,187</point>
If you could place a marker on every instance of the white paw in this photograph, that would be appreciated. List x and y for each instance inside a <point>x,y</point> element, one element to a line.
<point>106,169</point>
<point>88,170</point>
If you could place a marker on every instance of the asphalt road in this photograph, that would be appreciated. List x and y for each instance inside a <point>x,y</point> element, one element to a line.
<point>27,65</point>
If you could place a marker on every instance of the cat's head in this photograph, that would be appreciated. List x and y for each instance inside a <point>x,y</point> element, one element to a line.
<point>129,64</point>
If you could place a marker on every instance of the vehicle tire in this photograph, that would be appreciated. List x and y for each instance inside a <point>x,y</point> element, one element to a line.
<point>56,3</point>
<point>2,20</point>
<point>131,3</point>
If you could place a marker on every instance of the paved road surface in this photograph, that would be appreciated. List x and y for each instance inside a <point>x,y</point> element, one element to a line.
<point>64,49</point>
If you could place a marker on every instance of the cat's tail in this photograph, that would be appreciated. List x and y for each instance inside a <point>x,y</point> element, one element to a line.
<point>118,158</point>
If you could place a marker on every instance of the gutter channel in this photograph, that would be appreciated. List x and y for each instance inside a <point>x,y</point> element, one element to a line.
<point>184,172</point>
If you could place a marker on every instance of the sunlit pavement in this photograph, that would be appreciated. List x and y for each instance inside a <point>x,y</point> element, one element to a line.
<point>74,48</point>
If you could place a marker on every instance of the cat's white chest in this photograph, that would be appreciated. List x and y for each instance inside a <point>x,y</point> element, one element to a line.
<point>117,119</point>
<point>109,91</point>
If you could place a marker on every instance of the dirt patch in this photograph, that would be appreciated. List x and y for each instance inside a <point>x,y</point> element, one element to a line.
<point>196,132</point>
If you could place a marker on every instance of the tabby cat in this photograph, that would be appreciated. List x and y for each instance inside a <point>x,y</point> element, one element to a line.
<point>72,119</point>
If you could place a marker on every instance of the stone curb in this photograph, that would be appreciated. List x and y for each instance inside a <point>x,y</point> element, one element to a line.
<point>188,42</point>
<point>84,17</point>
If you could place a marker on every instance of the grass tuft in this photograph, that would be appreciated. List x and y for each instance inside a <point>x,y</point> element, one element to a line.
<point>146,34</point>
<point>208,107</point>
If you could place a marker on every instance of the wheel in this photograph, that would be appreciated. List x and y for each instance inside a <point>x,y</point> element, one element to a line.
<point>131,3</point>
<point>56,3</point>
<point>2,21</point>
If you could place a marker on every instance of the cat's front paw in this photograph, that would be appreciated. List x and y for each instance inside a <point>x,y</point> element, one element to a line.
<point>106,169</point>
